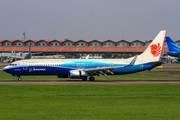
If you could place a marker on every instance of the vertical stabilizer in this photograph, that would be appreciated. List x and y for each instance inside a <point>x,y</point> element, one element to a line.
<point>171,45</point>
<point>154,50</point>
<point>30,47</point>
<point>28,55</point>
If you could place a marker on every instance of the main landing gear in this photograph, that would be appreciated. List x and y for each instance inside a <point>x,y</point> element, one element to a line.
<point>91,78</point>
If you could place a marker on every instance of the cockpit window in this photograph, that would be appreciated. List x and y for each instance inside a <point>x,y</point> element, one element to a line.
<point>13,64</point>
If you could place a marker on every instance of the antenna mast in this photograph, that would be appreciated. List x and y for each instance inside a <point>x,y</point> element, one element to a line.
<point>24,37</point>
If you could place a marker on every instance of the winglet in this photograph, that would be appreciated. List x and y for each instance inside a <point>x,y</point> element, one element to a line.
<point>133,61</point>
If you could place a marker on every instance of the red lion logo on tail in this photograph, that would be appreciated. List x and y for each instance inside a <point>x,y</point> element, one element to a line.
<point>155,50</point>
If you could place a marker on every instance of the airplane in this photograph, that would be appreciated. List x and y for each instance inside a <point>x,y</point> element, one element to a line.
<point>174,50</point>
<point>82,68</point>
<point>27,55</point>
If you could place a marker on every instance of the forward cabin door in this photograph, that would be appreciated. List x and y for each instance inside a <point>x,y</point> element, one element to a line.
<point>141,65</point>
<point>24,65</point>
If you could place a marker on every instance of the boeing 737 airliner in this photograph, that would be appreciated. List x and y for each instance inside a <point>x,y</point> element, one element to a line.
<point>82,68</point>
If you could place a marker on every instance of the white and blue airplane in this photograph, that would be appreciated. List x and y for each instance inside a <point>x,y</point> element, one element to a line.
<point>82,68</point>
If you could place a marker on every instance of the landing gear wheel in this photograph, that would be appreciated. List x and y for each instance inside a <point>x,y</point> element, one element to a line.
<point>84,79</point>
<point>91,78</point>
<point>19,79</point>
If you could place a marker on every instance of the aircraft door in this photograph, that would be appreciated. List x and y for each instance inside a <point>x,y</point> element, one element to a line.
<point>78,65</point>
<point>111,64</point>
<point>24,65</point>
<point>141,65</point>
<point>82,65</point>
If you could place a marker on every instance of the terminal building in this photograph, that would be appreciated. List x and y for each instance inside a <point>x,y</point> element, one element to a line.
<point>95,48</point>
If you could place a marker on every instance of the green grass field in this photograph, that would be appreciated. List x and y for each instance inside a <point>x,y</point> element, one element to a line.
<point>6,76</point>
<point>163,73</point>
<point>90,102</point>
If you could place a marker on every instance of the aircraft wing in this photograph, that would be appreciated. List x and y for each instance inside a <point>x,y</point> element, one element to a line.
<point>101,70</point>
<point>104,70</point>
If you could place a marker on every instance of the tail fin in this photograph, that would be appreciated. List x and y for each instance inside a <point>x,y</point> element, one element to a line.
<point>171,45</point>
<point>154,50</point>
<point>87,57</point>
<point>30,47</point>
<point>28,55</point>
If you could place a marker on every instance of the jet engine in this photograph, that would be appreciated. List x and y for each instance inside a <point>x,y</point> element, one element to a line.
<point>74,74</point>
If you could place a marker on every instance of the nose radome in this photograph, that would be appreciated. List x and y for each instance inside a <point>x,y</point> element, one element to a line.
<point>5,69</point>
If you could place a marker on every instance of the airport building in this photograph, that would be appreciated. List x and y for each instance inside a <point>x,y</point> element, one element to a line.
<point>95,48</point>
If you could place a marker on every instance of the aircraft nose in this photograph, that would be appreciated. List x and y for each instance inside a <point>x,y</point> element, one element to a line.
<point>5,69</point>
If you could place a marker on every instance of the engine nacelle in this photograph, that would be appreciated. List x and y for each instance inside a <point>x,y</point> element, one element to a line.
<point>74,74</point>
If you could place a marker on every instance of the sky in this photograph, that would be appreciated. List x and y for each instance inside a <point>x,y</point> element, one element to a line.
<point>89,19</point>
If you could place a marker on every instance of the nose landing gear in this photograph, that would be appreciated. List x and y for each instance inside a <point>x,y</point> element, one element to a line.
<point>19,79</point>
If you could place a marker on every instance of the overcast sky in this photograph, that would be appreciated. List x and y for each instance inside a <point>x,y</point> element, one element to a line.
<point>89,19</point>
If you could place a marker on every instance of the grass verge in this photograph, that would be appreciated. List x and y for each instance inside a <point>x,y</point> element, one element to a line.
<point>163,73</point>
<point>87,102</point>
